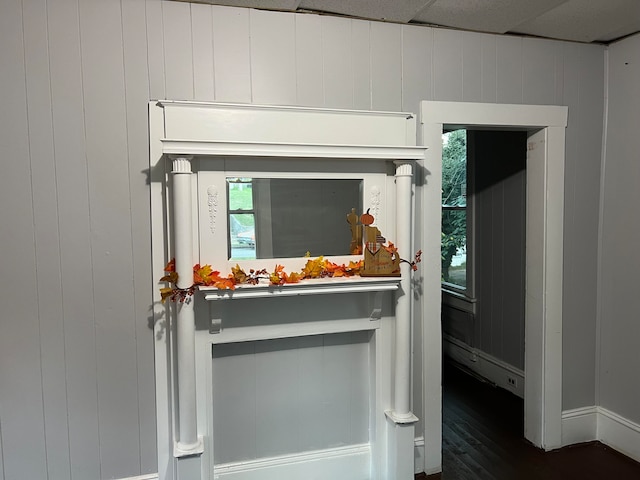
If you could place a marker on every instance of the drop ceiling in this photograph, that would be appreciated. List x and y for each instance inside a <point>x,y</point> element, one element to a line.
<point>587,21</point>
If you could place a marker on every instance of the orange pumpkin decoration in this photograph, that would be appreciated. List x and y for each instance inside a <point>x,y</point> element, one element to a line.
<point>366,218</point>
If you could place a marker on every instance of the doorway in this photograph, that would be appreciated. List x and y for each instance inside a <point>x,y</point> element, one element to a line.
<point>545,127</point>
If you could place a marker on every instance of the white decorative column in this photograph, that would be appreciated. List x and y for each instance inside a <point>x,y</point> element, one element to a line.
<point>188,442</point>
<point>401,421</point>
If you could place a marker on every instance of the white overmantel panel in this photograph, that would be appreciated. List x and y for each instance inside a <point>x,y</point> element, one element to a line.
<point>275,124</point>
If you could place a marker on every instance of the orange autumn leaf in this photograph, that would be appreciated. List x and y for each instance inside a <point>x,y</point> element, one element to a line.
<point>171,266</point>
<point>293,277</point>
<point>225,283</point>
<point>278,276</point>
<point>391,248</point>
<point>314,268</point>
<point>356,266</point>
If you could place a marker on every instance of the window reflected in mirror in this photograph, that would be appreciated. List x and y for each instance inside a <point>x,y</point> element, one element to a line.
<point>287,217</point>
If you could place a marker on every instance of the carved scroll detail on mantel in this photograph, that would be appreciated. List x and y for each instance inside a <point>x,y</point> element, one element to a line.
<point>375,201</point>
<point>212,203</point>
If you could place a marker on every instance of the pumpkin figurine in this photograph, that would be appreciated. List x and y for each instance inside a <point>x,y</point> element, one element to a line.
<point>378,260</point>
<point>366,218</point>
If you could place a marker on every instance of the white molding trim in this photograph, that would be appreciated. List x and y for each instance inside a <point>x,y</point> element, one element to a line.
<point>543,311</point>
<point>579,425</point>
<point>485,365</point>
<point>291,150</point>
<point>332,462</point>
<point>418,454</point>
<point>619,433</point>
<point>150,476</point>
<point>597,423</point>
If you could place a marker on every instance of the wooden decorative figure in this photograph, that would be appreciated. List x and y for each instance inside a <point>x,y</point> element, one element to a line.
<point>379,259</point>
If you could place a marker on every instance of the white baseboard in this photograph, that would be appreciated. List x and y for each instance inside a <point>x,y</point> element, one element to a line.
<point>418,455</point>
<point>619,433</point>
<point>150,476</point>
<point>597,423</point>
<point>579,425</point>
<point>496,371</point>
<point>351,462</point>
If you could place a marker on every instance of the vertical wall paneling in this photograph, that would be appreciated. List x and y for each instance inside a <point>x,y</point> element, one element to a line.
<point>497,272</point>
<point>75,243</point>
<point>202,41</point>
<point>155,48</point>
<point>583,197</point>
<point>619,327</point>
<point>273,70</point>
<point>111,238</point>
<point>417,49</point>
<point>336,61</point>
<point>509,69</point>
<point>76,362</point>
<point>21,402</point>
<point>447,65</point>
<point>309,68</point>
<point>45,210</point>
<point>539,76</point>
<point>498,161</point>
<point>514,191</point>
<point>136,83</point>
<point>178,50</point>
<point>489,82</point>
<point>1,453</point>
<point>361,64</point>
<point>231,54</point>
<point>472,66</point>
<point>386,66</point>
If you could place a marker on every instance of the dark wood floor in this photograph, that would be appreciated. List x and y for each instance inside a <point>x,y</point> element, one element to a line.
<point>483,440</point>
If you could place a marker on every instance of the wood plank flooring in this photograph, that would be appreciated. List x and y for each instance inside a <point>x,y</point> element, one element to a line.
<point>483,440</point>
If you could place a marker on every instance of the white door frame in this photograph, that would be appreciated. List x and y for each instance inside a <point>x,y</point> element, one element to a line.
<point>544,242</point>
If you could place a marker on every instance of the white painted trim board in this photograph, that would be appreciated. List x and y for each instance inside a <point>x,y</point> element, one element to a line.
<point>485,365</point>
<point>600,424</point>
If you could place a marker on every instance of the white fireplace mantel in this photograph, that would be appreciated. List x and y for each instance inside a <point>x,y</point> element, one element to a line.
<point>186,131</point>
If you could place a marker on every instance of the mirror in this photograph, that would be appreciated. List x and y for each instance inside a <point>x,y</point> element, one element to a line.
<point>287,217</point>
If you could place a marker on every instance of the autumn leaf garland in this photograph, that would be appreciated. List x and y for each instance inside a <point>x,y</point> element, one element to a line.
<point>205,275</point>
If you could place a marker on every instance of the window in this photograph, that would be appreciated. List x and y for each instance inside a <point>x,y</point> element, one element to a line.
<point>242,222</point>
<point>454,210</point>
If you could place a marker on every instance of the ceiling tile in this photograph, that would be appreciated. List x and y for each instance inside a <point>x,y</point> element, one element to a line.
<point>390,10</point>
<point>586,21</point>
<point>496,16</point>
<point>287,5</point>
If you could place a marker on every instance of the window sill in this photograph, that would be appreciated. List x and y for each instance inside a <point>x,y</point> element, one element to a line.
<point>458,300</point>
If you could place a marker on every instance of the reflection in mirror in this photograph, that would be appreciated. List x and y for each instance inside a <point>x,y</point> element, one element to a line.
<point>287,217</point>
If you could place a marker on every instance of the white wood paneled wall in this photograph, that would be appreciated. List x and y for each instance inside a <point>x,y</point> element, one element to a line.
<point>76,350</point>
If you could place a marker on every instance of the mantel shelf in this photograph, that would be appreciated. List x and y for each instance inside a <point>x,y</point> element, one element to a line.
<point>322,286</point>
<point>291,150</point>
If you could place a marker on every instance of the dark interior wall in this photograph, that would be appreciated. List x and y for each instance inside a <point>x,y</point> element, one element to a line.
<point>497,185</point>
